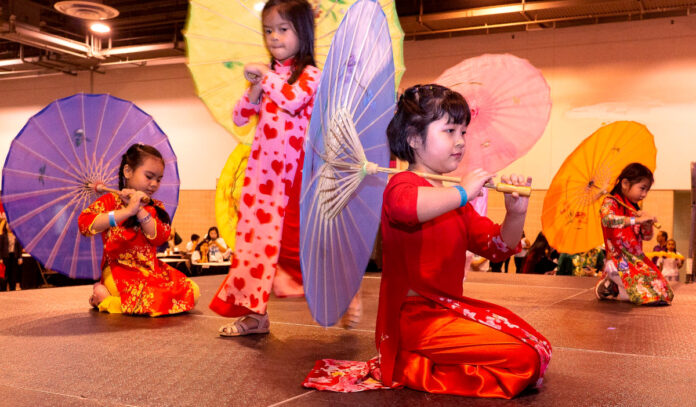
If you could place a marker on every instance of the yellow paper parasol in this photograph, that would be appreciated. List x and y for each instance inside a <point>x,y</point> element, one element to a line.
<point>223,36</point>
<point>672,255</point>
<point>228,192</point>
<point>570,215</point>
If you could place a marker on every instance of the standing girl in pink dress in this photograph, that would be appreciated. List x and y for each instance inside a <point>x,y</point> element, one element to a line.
<point>283,97</point>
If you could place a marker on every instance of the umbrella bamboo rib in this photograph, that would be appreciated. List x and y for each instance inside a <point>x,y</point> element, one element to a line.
<point>334,75</point>
<point>32,194</point>
<point>70,141</point>
<point>101,164</point>
<point>343,100</point>
<point>229,19</point>
<point>84,132</point>
<point>45,177</point>
<point>388,110</point>
<point>38,210</point>
<point>379,91</point>
<point>127,144</point>
<point>247,58</point>
<point>29,247</point>
<point>73,264</point>
<point>99,131</point>
<point>59,242</point>
<point>225,40</point>
<point>363,68</point>
<point>53,144</point>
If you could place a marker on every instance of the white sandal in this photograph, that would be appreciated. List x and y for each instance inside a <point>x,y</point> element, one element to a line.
<point>240,328</point>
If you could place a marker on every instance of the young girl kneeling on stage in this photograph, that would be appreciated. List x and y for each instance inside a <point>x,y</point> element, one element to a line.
<point>430,337</point>
<point>133,225</point>
<point>628,274</point>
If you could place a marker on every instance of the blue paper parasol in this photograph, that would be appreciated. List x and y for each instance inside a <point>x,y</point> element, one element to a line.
<point>340,204</point>
<point>69,146</point>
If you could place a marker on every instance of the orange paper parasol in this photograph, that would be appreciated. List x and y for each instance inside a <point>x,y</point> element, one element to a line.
<point>570,215</point>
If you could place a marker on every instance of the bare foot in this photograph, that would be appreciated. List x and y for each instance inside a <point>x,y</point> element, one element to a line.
<point>99,294</point>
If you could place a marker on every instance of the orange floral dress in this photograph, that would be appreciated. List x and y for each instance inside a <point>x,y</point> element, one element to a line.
<point>144,284</point>
<point>642,280</point>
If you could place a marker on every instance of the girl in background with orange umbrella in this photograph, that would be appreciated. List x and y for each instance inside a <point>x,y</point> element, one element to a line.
<point>282,96</point>
<point>629,274</point>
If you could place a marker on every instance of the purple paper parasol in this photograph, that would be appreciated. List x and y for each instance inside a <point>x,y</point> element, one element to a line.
<point>340,202</point>
<point>73,143</point>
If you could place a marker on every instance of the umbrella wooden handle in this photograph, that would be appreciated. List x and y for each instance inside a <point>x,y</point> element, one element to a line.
<point>99,187</point>
<point>522,190</point>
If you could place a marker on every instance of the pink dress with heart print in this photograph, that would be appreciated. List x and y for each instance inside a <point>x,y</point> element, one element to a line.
<point>276,152</point>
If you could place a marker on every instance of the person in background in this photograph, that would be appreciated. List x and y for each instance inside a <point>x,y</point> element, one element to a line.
<point>541,258</point>
<point>661,245</point>
<point>191,245</point>
<point>670,264</point>
<point>218,250</point>
<point>10,256</point>
<point>522,255</point>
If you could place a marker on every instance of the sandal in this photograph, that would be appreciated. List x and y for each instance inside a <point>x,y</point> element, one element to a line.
<point>239,327</point>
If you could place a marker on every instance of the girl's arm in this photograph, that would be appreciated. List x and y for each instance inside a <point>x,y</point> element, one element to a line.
<point>433,202</point>
<point>291,97</point>
<point>156,231</point>
<point>250,103</point>
<point>95,219</point>
<point>244,110</point>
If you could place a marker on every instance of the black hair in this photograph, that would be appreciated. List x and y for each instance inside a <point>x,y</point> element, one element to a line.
<point>210,229</point>
<point>419,106</point>
<point>300,14</point>
<point>663,233</point>
<point>633,173</point>
<point>194,237</point>
<point>134,157</point>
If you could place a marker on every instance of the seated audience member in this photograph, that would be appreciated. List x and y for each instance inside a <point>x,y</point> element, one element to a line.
<point>217,246</point>
<point>191,245</point>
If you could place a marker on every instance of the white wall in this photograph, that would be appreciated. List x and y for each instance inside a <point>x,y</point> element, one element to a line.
<point>643,71</point>
<point>165,92</point>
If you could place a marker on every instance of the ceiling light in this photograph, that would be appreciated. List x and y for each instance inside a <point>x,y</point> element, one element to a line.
<point>99,28</point>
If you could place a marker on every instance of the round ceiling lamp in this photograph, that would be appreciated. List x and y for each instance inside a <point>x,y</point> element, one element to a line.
<point>86,10</point>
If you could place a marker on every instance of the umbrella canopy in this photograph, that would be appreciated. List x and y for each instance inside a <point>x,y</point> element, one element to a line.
<point>71,144</point>
<point>570,215</point>
<point>228,192</point>
<point>510,104</point>
<point>223,36</point>
<point>340,204</point>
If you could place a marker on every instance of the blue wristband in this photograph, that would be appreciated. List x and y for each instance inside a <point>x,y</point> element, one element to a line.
<point>464,198</point>
<point>112,219</point>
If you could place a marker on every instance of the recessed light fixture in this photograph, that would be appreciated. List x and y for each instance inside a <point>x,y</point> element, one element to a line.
<point>86,9</point>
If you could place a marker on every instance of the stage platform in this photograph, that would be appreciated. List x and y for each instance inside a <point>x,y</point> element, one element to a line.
<point>55,351</point>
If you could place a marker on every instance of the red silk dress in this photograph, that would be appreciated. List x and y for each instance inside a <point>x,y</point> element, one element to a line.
<point>145,284</point>
<point>439,341</point>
